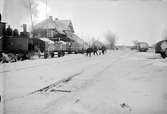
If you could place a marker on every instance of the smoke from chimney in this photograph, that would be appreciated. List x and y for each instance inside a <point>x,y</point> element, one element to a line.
<point>17,12</point>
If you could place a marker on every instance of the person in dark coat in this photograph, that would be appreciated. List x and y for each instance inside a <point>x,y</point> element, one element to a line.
<point>95,50</point>
<point>103,49</point>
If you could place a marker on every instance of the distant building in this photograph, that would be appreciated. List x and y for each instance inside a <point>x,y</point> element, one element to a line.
<point>58,30</point>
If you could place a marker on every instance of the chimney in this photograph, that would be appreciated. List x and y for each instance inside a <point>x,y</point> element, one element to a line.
<point>24,28</point>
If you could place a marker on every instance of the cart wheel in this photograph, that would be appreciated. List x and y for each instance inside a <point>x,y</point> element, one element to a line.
<point>45,55</point>
<point>69,52</point>
<point>63,53</point>
<point>52,54</point>
<point>59,54</point>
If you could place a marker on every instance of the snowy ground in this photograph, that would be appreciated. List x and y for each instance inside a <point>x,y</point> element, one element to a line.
<point>120,82</point>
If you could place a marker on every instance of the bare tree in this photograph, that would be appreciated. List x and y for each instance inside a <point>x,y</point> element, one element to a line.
<point>111,39</point>
<point>97,43</point>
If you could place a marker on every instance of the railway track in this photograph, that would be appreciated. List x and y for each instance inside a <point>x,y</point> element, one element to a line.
<point>54,84</point>
<point>39,65</point>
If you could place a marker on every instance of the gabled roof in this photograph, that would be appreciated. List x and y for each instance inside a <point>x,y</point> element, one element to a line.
<point>59,25</point>
<point>64,25</point>
<point>46,24</point>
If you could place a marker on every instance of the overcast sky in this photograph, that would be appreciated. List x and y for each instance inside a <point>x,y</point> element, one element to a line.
<point>142,20</point>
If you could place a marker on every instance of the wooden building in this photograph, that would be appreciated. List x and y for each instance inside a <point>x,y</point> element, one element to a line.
<point>53,29</point>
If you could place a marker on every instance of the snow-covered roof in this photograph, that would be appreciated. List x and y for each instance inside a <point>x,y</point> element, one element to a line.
<point>47,40</point>
<point>46,24</point>
<point>62,42</point>
<point>63,25</point>
<point>74,37</point>
<point>59,25</point>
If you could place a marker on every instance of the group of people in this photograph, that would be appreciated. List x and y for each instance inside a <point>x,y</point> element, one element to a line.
<point>95,50</point>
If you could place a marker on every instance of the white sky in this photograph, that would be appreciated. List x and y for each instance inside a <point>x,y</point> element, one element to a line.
<point>143,20</point>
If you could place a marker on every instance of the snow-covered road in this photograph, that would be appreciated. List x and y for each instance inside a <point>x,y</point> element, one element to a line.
<point>120,82</point>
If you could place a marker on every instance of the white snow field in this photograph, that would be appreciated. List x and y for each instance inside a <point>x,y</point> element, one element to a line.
<point>119,82</point>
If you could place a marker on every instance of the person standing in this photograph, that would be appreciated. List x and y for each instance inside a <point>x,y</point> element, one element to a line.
<point>103,49</point>
<point>95,50</point>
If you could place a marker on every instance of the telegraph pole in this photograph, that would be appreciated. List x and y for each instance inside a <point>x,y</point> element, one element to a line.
<point>31,18</point>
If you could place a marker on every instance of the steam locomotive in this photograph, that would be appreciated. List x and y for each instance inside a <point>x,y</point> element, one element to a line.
<point>17,47</point>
